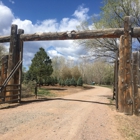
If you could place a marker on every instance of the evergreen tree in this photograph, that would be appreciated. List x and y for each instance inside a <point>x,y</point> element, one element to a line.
<point>52,81</point>
<point>62,83</point>
<point>41,66</point>
<point>73,82</point>
<point>27,77</point>
<point>67,82</point>
<point>55,80</point>
<point>80,82</point>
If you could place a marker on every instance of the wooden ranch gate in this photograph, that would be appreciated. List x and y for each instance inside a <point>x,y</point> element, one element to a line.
<point>126,68</point>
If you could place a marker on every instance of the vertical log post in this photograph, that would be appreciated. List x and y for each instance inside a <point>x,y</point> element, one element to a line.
<point>20,44</point>
<point>116,80</point>
<point>115,94</point>
<point>138,95</point>
<point>16,75</point>
<point>135,79</point>
<point>121,76</point>
<point>12,58</point>
<point>4,67</point>
<point>128,97</point>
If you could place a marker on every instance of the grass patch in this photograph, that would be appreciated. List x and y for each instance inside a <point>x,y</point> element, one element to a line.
<point>130,133</point>
<point>45,92</point>
<point>27,90</point>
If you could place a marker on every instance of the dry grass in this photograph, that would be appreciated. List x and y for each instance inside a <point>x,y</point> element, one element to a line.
<point>128,126</point>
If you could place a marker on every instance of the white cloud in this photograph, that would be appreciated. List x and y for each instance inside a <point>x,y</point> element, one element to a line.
<point>11,1</point>
<point>65,48</point>
<point>6,17</point>
<point>81,13</point>
<point>53,53</point>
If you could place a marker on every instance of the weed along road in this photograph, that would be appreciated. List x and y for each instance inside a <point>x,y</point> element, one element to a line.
<point>86,115</point>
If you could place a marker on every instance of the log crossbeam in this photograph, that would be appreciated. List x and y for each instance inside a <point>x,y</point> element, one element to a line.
<point>72,35</point>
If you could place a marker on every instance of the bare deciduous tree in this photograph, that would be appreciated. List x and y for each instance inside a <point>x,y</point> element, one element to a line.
<point>111,16</point>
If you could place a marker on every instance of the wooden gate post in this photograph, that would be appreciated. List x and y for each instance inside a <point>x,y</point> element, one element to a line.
<point>20,44</point>
<point>128,88</point>
<point>121,76</point>
<point>12,59</point>
<point>4,67</point>
<point>115,88</point>
<point>17,75</point>
<point>136,96</point>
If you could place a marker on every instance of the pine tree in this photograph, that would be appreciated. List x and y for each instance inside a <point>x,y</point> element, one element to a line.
<point>73,82</point>
<point>67,82</point>
<point>41,66</point>
<point>55,80</point>
<point>80,82</point>
<point>27,77</point>
<point>62,83</point>
<point>52,81</point>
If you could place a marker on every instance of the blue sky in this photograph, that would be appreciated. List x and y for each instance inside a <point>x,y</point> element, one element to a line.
<point>47,16</point>
<point>54,9</point>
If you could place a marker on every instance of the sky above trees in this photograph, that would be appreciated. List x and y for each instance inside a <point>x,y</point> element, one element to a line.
<point>47,16</point>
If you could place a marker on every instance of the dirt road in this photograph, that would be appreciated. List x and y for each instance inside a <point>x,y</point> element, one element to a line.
<point>82,116</point>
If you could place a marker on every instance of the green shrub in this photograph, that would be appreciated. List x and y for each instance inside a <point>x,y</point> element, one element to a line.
<point>67,82</point>
<point>73,82</point>
<point>80,82</point>
<point>28,89</point>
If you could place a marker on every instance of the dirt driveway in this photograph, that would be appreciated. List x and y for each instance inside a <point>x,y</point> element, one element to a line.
<point>82,116</point>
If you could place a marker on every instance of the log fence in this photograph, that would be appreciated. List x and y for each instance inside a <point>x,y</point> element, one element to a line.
<point>126,70</point>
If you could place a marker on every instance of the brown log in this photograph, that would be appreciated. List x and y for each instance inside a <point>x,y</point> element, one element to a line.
<point>12,58</point>
<point>20,57</point>
<point>115,90</point>
<point>89,34</point>
<point>128,95</point>
<point>4,67</point>
<point>121,76</point>
<point>114,81</point>
<point>71,35</point>
<point>4,39</point>
<point>135,83</point>
<point>135,32</point>
<point>106,33</point>
<point>138,98</point>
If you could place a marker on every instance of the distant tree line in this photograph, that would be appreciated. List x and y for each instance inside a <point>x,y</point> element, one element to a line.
<point>99,71</point>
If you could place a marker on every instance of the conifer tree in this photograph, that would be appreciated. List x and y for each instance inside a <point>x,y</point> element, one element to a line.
<point>80,82</point>
<point>73,82</point>
<point>41,66</point>
<point>67,82</point>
